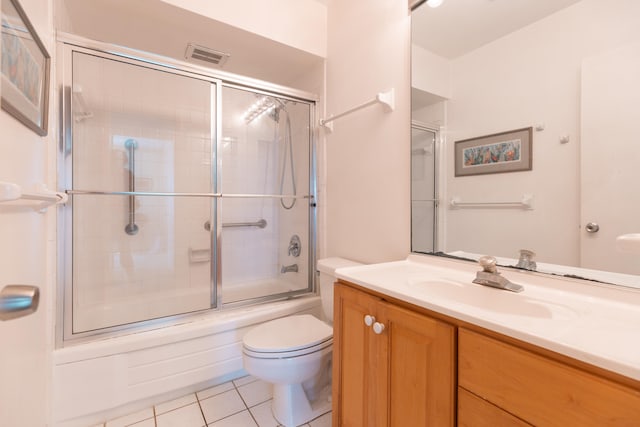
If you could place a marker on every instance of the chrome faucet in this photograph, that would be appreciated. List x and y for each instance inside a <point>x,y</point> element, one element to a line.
<point>293,268</point>
<point>489,276</point>
<point>526,261</point>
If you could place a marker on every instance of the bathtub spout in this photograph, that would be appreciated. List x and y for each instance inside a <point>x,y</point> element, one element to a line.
<point>289,268</point>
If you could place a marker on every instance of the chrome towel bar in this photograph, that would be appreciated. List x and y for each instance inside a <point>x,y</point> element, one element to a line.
<point>526,202</point>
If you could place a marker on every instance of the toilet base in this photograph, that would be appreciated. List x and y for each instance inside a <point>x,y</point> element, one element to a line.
<point>291,407</point>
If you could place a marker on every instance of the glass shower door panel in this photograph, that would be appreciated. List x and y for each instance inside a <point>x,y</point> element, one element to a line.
<point>264,150</point>
<point>163,270</point>
<point>423,190</point>
<point>139,129</point>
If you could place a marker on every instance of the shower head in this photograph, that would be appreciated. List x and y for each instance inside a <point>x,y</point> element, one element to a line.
<point>267,105</point>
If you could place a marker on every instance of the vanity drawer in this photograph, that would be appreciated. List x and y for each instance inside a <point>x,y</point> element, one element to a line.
<point>476,412</point>
<point>539,390</point>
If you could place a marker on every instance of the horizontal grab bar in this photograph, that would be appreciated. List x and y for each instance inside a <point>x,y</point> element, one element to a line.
<point>165,194</point>
<point>260,224</point>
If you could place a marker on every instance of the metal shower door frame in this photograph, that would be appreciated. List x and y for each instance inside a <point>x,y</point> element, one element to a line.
<point>66,45</point>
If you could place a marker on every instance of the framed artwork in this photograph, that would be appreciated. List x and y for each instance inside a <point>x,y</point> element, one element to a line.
<point>497,153</point>
<point>24,71</point>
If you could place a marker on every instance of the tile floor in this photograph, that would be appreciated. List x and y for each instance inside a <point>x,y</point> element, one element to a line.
<point>245,402</point>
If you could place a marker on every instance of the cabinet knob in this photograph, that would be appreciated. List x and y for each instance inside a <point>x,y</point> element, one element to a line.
<point>378,328</point>
<point>368,320</point>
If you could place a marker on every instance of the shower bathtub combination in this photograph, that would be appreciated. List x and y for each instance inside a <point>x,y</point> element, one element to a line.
<point>191,217</point>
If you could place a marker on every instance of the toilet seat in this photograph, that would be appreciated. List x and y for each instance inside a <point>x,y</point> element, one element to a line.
<point>288,337</point>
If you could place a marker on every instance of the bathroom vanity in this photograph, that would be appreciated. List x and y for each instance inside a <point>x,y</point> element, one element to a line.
<point>416,343</point>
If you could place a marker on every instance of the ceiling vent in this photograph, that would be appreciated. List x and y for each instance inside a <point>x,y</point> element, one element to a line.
<point>205,54</point>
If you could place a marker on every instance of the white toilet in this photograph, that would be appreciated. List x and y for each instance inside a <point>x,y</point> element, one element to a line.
<point>294,354</point>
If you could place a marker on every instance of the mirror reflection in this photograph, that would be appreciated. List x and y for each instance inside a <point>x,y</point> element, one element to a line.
<point>567,69</point>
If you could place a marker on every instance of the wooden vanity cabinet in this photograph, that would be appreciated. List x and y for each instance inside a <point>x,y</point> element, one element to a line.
<point>405,374</point>
<point>398,371</point>
<point>501,384</point>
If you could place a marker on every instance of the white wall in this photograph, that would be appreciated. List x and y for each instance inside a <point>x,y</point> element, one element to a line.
<point>531,76</point>
<point>297,23</point>
<point>367,155</point>
<point>430,73</point>
<point>27,251</point>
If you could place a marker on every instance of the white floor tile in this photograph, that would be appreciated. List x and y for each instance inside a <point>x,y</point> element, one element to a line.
<point>131,418</point>
<point>242,419</point>
<point>263,415</point>
<point>187,416</point>
<point>221,406</point>
<point>256,392</point>
<point>176,403</point>
<point>214,390</point>
<point>146,423</point>
<point>323,421</point>
<point>244,380</point>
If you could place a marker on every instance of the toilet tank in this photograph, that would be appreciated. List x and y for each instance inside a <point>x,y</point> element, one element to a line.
<point>327,268</point>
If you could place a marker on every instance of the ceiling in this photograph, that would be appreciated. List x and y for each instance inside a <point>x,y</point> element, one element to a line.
<point>161,28</point>
<point>461,26</point>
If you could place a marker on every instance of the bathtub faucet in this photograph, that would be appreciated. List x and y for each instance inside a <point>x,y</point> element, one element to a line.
<point>289,268</point>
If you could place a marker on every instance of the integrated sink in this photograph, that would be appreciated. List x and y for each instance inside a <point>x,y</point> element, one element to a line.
<point>492,300</point>
<point>589,321</point>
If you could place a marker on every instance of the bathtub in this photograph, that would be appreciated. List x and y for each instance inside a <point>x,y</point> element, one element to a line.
<point>111,377</point>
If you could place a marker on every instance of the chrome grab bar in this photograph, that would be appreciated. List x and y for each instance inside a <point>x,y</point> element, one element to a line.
<point>131,228</point>
<point>261,223</point>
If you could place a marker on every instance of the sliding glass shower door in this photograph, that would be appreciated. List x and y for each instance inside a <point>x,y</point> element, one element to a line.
<point>189,193</point>
<point>264,155</point>
<point>140,130</point>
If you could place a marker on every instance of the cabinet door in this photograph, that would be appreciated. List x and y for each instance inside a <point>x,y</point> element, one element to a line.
<point>354,365</point>
<point>419,369</point>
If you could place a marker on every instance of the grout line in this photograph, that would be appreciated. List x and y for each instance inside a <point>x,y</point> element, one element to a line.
<point>240,394</point>
<point>201,410</point>
<point>235,387</point>
<point>252,417</point>
<point>231,415</point>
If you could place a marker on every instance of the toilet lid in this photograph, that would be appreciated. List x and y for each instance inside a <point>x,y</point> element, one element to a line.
<point>288,334</point>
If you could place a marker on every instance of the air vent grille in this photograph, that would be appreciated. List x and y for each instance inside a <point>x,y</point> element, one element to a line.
<point>205,54</point>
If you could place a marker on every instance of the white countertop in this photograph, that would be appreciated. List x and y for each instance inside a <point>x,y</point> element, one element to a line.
<point>595,323</point>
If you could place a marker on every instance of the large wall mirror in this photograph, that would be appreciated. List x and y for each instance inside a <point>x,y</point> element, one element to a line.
<point>567,72</point>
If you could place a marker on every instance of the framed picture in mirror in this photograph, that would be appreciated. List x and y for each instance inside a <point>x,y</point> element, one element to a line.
<point>24,72</point>
<point>497,153</point>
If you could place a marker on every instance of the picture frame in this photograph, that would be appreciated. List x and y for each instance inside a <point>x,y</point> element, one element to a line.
<point>24,70</point>
<point>502,152</point>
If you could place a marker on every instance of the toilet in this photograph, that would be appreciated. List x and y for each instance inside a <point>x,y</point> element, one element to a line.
<point>294,354</point>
